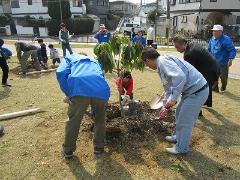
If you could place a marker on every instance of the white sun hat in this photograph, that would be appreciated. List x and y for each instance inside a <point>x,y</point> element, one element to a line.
<point>217,28</point>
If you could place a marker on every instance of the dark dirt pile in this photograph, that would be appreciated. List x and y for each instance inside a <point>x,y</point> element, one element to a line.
<point>139,121</point>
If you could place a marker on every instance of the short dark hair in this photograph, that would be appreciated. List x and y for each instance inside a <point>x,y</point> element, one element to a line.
<point>50,46</point>
<point>126,74</point>
<point>1,42</point>
<point>180,40</point>
<point>40,40</point>
<point>62,25</point>
<point>149,53</point>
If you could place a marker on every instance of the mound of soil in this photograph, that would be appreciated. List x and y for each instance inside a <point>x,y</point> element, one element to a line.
<point>139,120</point>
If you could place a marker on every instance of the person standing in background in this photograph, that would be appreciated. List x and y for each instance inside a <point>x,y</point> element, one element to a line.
<point>54,54</point>
<point>223,50</point>
<point>64,39</point>
<point>103,35</point>
<point>4,56</point>
<point>139,38</point>
<point>43,58</point>
<point>150,35</point>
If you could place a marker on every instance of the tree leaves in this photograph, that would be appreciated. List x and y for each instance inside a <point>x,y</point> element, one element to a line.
<point>121,53</point>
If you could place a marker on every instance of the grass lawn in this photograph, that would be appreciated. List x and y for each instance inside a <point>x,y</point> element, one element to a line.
<point>30,149</point>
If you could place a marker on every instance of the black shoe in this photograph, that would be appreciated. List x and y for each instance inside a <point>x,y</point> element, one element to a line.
<point>67,154</point>
<point>1,130</point>
<point>223,89</point>
<point>216,90</point>
<point>98,151</point>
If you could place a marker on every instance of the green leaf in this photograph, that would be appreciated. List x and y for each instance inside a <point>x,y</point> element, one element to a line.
<point>177,167</point>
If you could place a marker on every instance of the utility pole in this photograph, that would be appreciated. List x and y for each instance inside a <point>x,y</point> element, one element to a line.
<point>156,20</point>
<point>60,6</point>
<point>168,22</point>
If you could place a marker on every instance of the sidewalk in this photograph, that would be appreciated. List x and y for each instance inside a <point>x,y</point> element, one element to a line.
<point>234,71</point>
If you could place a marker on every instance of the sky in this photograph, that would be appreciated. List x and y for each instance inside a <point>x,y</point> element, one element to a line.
<point>138,1</point>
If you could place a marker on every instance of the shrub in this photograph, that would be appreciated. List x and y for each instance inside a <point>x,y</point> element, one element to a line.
<point>53,27</point>
<point>83,25</point>
<point>4,20</point>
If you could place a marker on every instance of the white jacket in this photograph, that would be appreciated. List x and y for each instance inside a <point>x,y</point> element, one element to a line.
<point>150,33</point>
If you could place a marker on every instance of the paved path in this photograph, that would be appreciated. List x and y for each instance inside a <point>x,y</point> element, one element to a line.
<point>234,70</point>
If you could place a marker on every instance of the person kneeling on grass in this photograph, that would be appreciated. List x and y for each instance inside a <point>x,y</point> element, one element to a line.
<point>82,80</point>
<point>179,77</point>
<point>125,85</point>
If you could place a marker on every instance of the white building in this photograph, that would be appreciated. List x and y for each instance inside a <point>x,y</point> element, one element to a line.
<point>37,9</point>
<point>193,15</point>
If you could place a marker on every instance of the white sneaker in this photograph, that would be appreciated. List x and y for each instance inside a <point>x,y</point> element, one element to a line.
<point>172,150</point>
<point>171,139</point>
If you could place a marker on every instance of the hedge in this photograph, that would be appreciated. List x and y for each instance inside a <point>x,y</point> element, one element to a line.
<point>81,25</point>
<point>4,20</point>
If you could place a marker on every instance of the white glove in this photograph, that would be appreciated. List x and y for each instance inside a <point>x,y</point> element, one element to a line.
<point>127,97</point>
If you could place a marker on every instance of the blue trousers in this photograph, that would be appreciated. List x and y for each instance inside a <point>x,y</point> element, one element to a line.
<point>66,47</point>
<point>186,116</point>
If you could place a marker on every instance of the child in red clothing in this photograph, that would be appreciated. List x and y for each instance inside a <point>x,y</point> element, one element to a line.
<point>125,84</point>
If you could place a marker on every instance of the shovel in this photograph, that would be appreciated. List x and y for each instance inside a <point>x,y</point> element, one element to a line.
<point>156,102</point>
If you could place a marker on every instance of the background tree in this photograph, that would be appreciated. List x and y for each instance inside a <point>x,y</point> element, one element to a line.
<point>151,16</point>
<point>54,9</point>
<point>119,54</point>
<point>4,20</point>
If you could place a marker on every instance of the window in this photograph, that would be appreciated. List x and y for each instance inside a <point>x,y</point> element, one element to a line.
<point>175,20</point>
<point>172,2</point>
<point>213,0</point>
<point>44,3</point>
<point>77,3</point>
<point>90,3</point>
<point>0,2</point>
<point>181,1</point>
<point>238,20</point>
<point>15,4</point>
<point>100,3</point>
<point>29,2</point>
<point>184,19</point>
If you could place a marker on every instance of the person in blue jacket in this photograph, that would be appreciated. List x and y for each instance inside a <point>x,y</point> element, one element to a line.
<point>222,48</point>
<point>103,35</point>
<point>4,55</point>
<point>139,38</point>
<point>82,81</point>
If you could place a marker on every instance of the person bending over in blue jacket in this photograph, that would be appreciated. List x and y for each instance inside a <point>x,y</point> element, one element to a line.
<point>223,50</point>
<point>139,38</point>
<point>179,78</point>
<point>82,81</point>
